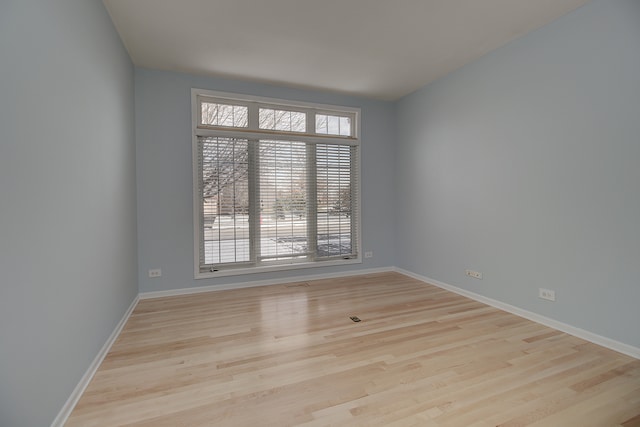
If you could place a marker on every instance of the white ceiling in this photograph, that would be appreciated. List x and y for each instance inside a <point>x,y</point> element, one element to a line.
<point>376,48</point>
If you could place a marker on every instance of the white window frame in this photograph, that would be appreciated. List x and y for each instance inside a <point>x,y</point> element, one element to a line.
<point>253,132</point>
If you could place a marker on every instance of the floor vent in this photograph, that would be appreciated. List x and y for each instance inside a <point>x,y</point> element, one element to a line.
<point>297,285</point>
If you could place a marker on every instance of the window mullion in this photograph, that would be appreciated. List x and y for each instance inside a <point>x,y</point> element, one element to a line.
<point>201,201</point>
<point>311,122</point>
<point>312,202</point>
<point>253,116</point>
<point>254,200</point>
<point>354,198</point>
<point>254,185</point>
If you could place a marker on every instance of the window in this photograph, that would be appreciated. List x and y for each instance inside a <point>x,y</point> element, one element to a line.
<point>288,121</point>
<point>214,114</point>
<point>276,184</point>
<point>333,125</point>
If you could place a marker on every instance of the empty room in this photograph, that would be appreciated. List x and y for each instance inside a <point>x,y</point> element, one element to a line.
<point>319,213</point>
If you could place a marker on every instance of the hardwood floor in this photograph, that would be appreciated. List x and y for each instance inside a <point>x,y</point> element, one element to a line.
<point>289,355</point>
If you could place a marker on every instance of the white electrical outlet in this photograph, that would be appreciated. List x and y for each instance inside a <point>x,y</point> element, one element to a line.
<point>156,272</point>
<point>368,254</point>
<point>474,274</point>
<point>547,294</point>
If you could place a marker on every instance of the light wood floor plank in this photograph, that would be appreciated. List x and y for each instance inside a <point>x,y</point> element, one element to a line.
<point>288,355</point>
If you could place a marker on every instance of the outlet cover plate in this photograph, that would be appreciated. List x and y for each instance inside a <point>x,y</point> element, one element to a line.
<point>547,294</point>
<point>474,274</point>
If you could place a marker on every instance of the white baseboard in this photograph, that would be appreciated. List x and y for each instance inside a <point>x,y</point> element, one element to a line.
<point>560,326</point>
<point>71,402</point>
<point>255,283</point>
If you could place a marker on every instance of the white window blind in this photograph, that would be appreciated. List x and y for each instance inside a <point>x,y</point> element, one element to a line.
<point>335,178</point>
<point>271,200</point>
<point>224,193</point>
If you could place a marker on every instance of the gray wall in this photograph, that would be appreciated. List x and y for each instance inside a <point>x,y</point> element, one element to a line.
<point>67,194</point>
<point>164,172</point>
<point>524,165</point>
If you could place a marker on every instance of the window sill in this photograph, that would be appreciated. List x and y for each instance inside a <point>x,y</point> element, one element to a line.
<point>274,268</point>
